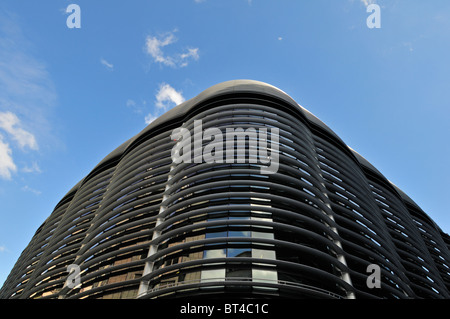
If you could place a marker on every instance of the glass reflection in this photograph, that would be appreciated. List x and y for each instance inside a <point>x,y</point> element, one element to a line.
<point>233,233</point>
<point>239,252</point>
<point>212,275</point>
<point>214,253</point>
<point>261,275</point>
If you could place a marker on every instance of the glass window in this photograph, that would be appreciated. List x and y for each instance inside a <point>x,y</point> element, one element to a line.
<point>258,234</point>
<point>235,233</point>
<point>214,253</point>
<point>239,272</point>
<point>215,234</point>
<point>263,253</point>
<point>212,275</point>
<point>261,275</point>
<point>239,252</point>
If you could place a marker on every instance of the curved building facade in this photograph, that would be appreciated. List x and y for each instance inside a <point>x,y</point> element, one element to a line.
<point>281,209</point>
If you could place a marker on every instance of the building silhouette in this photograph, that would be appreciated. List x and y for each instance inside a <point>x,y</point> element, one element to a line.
<point>140,225</point>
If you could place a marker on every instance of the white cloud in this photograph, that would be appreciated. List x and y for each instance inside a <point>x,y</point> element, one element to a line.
<point>136,107</point>
<point>131,103</point>
<point>150,118</point>
<point>168,96</point>
<point>25,82</point>
<point>10,123</point>
<point>26,188</point>
<point>34,168</point>
<point>2,249</point>
<point>26,92</point>
<point>155,45</point>
<point>191,53</point>
<point>7,165</point>
<point>108,65</point>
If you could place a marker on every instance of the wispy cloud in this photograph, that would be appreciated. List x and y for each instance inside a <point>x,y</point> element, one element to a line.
<point>150,118</point>
<point>136,107</point>
<point>2,249</point>
<point>108,65</point>
<point>154,46</point>
<point>25,82</point>
<point>190,54</point>
<point>166,98</point>
<point>34,168</point>
<point>9,122</point>
<point>7,165</point>
<point>26,188</point>
<point>131,103</point>
<point>27,95</point>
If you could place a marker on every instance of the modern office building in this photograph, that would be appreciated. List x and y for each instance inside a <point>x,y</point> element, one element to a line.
<point>287,211</point>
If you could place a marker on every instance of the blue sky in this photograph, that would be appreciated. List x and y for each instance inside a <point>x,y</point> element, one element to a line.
<point>68,97</point>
